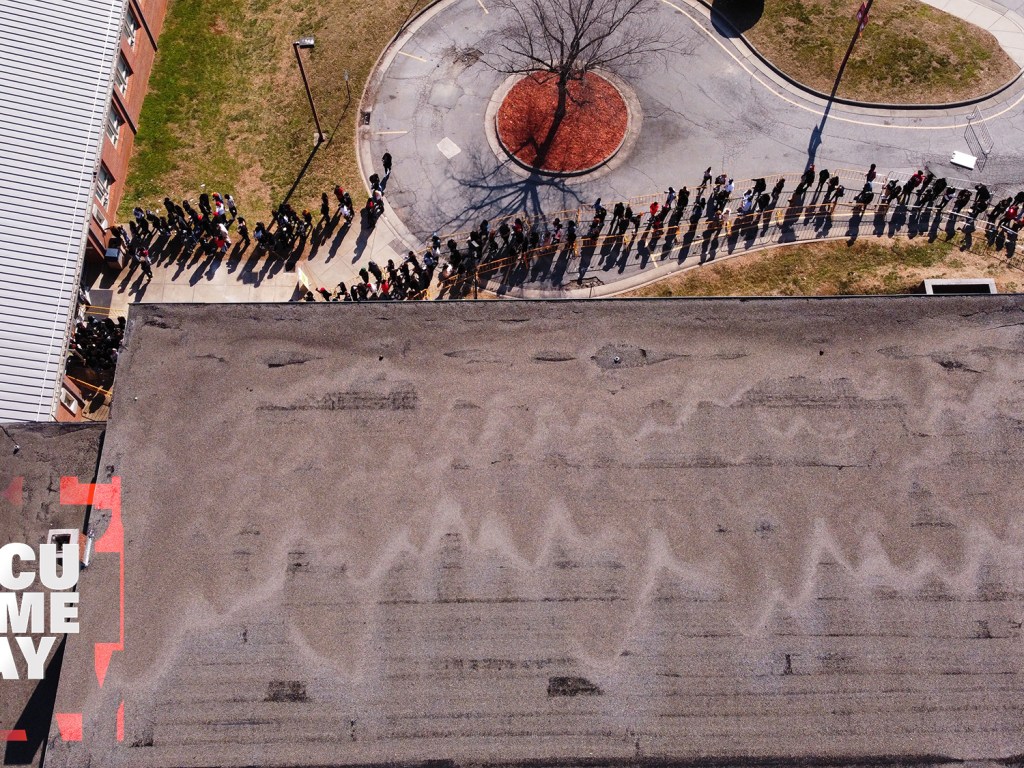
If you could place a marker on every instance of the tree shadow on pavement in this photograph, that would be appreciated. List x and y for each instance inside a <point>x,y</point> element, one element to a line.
<point>506,194</point>
<point>731,18</point>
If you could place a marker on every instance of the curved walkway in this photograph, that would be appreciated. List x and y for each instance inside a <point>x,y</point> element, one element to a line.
<point>608,264</point>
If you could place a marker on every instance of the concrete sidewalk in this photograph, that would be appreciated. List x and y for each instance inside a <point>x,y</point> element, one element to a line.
<point>243,276</point>
<point>1005,25</point>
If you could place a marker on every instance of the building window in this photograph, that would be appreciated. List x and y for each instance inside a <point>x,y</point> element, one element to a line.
<point>114,123</point>
<point>131,27</point>
<point>104,181</point>
<point>121,74</point>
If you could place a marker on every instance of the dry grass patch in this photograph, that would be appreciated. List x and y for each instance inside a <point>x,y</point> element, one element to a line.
<point>909,52</point>
<point>834,268</point>
<point>227,108</point>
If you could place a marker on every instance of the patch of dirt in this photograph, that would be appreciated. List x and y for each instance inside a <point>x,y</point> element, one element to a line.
<point>592,129</point>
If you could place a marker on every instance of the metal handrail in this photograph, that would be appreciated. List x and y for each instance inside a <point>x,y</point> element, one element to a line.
<point>767,228</point>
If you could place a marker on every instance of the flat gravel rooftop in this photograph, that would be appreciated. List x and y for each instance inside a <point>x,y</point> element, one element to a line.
<point>562,532</point>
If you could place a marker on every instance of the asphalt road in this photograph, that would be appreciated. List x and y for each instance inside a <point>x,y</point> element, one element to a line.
<point>709,104</point>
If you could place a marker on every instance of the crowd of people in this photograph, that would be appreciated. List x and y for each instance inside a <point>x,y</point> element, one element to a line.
<point>410,280</point>
<point>209,225</point>
<point>96,341</point>
<point>715,200</point>
<point>722,207</point>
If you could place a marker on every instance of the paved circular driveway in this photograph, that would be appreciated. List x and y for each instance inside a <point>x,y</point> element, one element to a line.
<point>709,104</point>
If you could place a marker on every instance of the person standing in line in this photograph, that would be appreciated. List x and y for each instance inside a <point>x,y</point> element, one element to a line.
<point>836,197</point>
<point>145,264</point>
<point>805,181</point>
<point>823,176</point>
<point>243,232</point>
<point>670,198</point>
<point>870,175</point>
<point>229,201</point>
<point>325,207</point>
<point>928,179</point>
<point>834,182</point>
<point>777,191</point>
<point>386,162</point>
<point>627,218</point>
<point>617,213</point>
<point>947,196</point>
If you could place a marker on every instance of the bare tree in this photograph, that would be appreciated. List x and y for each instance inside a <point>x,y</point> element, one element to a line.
<point>569,38</point>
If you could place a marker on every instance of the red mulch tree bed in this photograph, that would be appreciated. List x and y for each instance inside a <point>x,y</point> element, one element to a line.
<point>594,124</point>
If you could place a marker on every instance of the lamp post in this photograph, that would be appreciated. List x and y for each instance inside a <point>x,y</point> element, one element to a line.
<point>308,42</point>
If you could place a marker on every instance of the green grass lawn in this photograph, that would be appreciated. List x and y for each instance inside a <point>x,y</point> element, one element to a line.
<point>226,106</point>
<point>909,52</point>
<point>834,268</point>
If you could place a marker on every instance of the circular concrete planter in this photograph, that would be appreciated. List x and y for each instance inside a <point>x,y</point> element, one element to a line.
<point>634,118</point>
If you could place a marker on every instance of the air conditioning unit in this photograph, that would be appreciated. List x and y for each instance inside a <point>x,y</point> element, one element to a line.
<point>68,400</point>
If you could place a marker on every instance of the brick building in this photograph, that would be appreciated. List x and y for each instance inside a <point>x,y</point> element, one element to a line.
<point>140,29</point>
<point>71,90</point>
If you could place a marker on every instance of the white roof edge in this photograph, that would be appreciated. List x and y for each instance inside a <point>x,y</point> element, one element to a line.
<point>83,124</point>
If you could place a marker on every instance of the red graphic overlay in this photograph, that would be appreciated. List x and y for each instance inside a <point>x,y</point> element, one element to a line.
<point>13,492</point>
<point>69,725</point>
<point>105,496</point>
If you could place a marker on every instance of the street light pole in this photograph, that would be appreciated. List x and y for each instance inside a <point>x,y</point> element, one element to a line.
<point>308,42</point>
